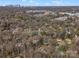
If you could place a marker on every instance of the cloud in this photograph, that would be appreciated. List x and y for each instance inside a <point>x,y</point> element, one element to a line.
<point>45,2</point>
<point>23,0</point>
<point>57,2</point>
<point>31,1</point>
<point>41,2</point>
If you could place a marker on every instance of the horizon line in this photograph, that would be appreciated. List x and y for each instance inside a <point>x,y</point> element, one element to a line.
<point>39,5</point>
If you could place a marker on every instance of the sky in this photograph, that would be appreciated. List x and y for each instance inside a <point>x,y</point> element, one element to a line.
<point>40,2</point>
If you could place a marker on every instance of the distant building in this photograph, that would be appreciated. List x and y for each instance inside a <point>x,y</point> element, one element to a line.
<point>61,18</point>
